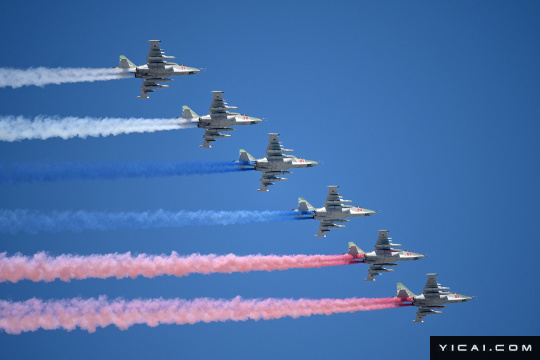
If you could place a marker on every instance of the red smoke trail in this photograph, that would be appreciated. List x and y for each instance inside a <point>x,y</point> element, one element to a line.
<point>89,314</point>
<point>42,267</point>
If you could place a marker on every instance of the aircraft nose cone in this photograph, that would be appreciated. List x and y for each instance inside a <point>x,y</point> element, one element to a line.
<point>257,120</point>
<point>195,70</point>
<point>312,163</point>
<point>419,256</point>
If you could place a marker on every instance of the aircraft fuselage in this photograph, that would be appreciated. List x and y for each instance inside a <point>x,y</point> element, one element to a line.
<point>438,300</point>
<point>390,256</point>
<point>340,213</point>
<point>283,164</point>
<point>225,121</point>
<point>148,72</point>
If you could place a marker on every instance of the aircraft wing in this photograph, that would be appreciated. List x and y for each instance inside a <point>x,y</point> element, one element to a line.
<point>377,269</point>
<point>383,242</point>
<point>274,150</point>
<point>433,287</point>
<point>420,314</point>
<point>144,93</point>
<point>155,58</point>
<point>266,181</point>
<point>333,199</point>
<point>148,85</point>
<point>208,137</point>
<point>371,274</point>
<point>423,311</point>
<point>325,226</point>
<point>219,106</point>
<point>269,177</point>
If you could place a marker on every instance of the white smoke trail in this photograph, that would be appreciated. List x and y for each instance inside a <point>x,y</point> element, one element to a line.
<point>43,76</point>
<point>14,128</point>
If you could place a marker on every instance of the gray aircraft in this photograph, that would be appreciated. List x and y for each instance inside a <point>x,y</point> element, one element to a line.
<point>218,120</point>
<point>334,211</point>
<point>157,69</point>
<point>275,162</point>
<point>384,255</point>
<point>433,297</point>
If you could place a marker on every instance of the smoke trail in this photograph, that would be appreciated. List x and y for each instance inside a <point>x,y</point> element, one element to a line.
<point>42,267</point>
<point>40,172</point>
<point>15,221</point>
<point>89,314</point>
<point>14,128</point>
<point>43,76</point>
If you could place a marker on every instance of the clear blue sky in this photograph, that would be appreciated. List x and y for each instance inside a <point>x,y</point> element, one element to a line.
<point>427,111</point>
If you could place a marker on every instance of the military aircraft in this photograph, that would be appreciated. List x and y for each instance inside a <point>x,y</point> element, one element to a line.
<point>157,69</point>
<point>218,120</point>
<point>275,162</point>
<point>334,211</point>
<point>384,255</point>
<point>433,297</point>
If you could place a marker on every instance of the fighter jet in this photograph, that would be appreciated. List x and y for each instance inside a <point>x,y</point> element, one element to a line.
<point>434,297</point>
<point>384,255</point>
<point>218,120</point>
<point>275,162</point>
<point>334,211</point>
<point>156,69</point>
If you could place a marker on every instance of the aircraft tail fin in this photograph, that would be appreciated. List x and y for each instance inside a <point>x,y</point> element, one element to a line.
<point>304,206</point>
<point>245,156</point>
<point>355,250</point>
<point>125,63</point>
<point>403,292</point>
<point>187,113</point>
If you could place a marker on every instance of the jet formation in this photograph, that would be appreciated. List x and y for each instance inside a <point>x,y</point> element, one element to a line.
<point>383,255</point>
<point>433,297</point>
<point>334,211</point>
<point>275,163</point>
<point>219,119</point>
<point>157,68</point>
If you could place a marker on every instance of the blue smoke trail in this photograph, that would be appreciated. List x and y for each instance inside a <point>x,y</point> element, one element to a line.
<point>15,221</point>
<point>43,172</point>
